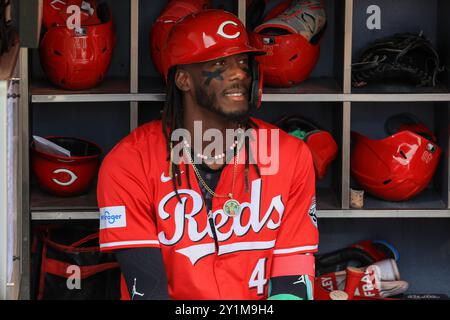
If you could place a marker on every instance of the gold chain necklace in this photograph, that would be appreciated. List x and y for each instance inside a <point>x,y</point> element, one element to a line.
<point>231,207</point>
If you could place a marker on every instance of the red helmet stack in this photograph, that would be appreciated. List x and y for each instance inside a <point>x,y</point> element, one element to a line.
<point>76,56</point>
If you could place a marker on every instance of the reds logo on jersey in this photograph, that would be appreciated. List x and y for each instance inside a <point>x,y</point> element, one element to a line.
<point>180,220</point>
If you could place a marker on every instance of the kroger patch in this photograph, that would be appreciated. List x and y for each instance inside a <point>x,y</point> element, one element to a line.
<point>113,217</point>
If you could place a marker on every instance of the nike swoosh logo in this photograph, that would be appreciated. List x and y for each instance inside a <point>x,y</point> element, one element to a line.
<point>165,178</point>
<point>301,279</point>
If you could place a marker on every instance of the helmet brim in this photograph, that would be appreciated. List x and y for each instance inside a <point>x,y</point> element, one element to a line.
<point>231,51</point>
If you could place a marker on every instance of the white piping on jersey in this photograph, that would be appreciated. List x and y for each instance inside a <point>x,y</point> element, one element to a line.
<point>197,252</point>
<point>242,246</point>
<point>290,250</point>
<point>128,243</point>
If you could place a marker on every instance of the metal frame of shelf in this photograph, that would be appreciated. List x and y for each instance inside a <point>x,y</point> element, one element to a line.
<point>10,180</point>
<point>24,175</point>
<point>273,97</point>
<point>324,214</point>
<point>134,96</point>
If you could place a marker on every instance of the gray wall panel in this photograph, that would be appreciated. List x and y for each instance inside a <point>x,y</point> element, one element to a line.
<point>103,123</point>
<point>396,16</point>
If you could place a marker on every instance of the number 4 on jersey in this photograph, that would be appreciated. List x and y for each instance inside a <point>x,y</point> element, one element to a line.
<point>257,279</point>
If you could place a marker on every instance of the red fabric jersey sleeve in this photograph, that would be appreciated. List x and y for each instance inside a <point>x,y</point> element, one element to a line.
<point>298,231</point>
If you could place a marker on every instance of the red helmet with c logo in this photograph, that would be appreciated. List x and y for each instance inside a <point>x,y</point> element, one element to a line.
<point>63,175</point>
<point>204,36</point>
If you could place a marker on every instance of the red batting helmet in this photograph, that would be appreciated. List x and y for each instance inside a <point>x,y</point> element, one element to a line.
<point>395,168</point>
<point>78,59</point>
<point>204,36</point>
<point>321,143</point>
<point>66,176</point>
<point>290,58</point>
<point>174,11</point>
<point>208,35</point>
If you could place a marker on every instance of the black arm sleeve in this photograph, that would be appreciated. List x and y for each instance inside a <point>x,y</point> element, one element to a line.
<point>143,269</point>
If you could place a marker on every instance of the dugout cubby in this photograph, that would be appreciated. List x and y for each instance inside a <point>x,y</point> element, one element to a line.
<point>414,16</point>
<point>102,123</point>
<point>117,78</point>
<point>327,77</point>
<point>133,94</point>
<point>328,117</point>
<point>423,245</point>
<point>369,120</point>
<point>105,123</point>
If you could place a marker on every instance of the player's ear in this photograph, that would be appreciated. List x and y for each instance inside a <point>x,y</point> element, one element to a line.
<point>183,80</point>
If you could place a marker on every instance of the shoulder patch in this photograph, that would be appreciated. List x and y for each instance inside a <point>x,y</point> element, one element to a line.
<point>113,217</point>
<point>312,211</point>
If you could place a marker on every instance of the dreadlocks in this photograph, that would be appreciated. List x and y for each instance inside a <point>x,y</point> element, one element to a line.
<point>172,119</point>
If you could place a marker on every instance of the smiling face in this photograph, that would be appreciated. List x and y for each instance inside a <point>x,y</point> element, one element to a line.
<point>222,86</point>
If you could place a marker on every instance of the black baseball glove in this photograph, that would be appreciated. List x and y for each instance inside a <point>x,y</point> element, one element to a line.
<point>406,56</point>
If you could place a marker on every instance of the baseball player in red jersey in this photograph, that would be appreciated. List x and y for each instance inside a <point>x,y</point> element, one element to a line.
<point>218,225</point>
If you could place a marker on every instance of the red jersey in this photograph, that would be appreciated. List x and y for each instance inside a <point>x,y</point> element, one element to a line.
<point>139,208</point>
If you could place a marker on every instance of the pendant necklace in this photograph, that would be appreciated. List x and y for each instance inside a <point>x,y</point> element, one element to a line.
<point>231,207</point>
